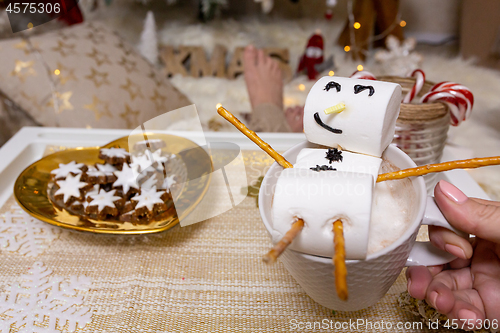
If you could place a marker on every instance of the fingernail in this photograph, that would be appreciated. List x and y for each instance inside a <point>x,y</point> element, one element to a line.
<point>452,192</point>
<point>455,250</point>
<point>433,298</point>
<point>467,314</point>
<point>408,286</point>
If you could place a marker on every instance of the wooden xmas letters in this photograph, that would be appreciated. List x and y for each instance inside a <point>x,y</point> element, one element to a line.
<point>192,61</point>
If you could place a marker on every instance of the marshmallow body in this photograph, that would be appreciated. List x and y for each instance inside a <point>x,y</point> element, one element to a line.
<point>321,198</point>
<point>351,162</point>
<point>364,122</point>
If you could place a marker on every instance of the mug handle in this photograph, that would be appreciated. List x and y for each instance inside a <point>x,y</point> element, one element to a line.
<point>424,253</point>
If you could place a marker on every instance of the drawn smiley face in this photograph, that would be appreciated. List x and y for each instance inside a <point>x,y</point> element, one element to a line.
<point>358,115</point>
<point>338,108</point>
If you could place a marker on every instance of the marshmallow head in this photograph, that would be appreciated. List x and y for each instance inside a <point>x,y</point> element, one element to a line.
<point>357,115</point>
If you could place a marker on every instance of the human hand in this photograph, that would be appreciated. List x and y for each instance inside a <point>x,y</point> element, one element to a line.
<point>468,288</point>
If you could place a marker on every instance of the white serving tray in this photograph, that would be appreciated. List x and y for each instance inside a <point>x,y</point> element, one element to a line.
<point>28,145</point>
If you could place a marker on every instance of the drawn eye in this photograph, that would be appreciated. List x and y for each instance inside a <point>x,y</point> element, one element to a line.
<point>331,85</point>
<point>359,88</point>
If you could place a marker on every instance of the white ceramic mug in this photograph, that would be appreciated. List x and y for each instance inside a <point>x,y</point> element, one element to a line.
<point>368,280</point>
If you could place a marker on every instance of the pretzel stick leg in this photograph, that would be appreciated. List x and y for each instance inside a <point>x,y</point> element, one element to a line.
<point>254,137</point>
<point>281,246</point>
<point>446,166</point>
<point>339,260</point>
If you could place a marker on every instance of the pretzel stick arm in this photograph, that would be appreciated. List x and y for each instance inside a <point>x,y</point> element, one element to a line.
<point>254,137</point>
<point>446,166</point>
<point>339,260</point>
<point>281,246</point>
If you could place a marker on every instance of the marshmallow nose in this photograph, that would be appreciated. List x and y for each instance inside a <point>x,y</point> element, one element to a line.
<point>338,108</point>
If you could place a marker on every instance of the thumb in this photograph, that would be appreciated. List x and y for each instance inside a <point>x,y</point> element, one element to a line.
<point>469,215</point>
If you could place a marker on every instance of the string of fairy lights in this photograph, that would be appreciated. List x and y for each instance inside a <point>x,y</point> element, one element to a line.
<point>354,25</point>
<point>357,47</point>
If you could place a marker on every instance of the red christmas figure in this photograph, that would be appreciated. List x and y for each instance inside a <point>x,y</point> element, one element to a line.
<point>312,56</point>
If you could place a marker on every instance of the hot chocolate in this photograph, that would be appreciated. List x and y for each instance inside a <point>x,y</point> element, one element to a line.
<point>392,210</point>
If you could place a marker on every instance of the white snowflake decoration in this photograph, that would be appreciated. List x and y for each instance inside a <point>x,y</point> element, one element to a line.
<point>399,60</point>
<point>22,233</point>
<point>42,297</point>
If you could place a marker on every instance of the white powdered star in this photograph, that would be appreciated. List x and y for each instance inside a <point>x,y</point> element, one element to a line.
<point>102,170</point>
<point>106,169</point>
<point>148,198</point>
<point>142,162</point>
<point>94,172</point>
<point>70,187</point>
<point>168,182</point>
<point>148,184</point>
<point>103,199</point>
<point>66,169</point>
<point>115,152</point>
<point>127,178</point>
<point>159,159</point>
<point>93,191</point>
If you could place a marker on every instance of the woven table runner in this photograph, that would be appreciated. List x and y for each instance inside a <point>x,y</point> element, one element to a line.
<point>207,277</point>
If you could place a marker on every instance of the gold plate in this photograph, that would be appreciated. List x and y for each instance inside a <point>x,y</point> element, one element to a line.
<point>31,187</point>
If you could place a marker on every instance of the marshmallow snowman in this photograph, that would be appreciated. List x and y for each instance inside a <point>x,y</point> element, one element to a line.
<point>355,119</point>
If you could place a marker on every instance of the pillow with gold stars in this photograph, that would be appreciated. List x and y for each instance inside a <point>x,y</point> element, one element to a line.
<point>84,76</point>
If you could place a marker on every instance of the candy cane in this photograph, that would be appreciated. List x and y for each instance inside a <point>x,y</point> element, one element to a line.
<point>456,87</point>
<point>459,99</point>
<point>364,75</point>
<point>419,76</point>
<point>447,98</point>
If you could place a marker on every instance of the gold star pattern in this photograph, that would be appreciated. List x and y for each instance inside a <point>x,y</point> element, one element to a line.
<point>128,114</point>
<point>24,46</point>
<point>100,108</point>
<point>125,47</point>
<point>99,78</point>
<point>133,89</point>
<point>96,37</point>
<point>31,98</point>
<point>92,26</point>
<point>23,69</point>
<point>153,76</point>
<point>63,48</point>
<point>62,101</point>
<point>128,64</point>
<point>159,100</point>
<point>67,35</point>
<point>65,74</point>
<point>99,57</point>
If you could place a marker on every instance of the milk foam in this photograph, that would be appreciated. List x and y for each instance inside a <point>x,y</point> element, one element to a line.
<point>393,210</point>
